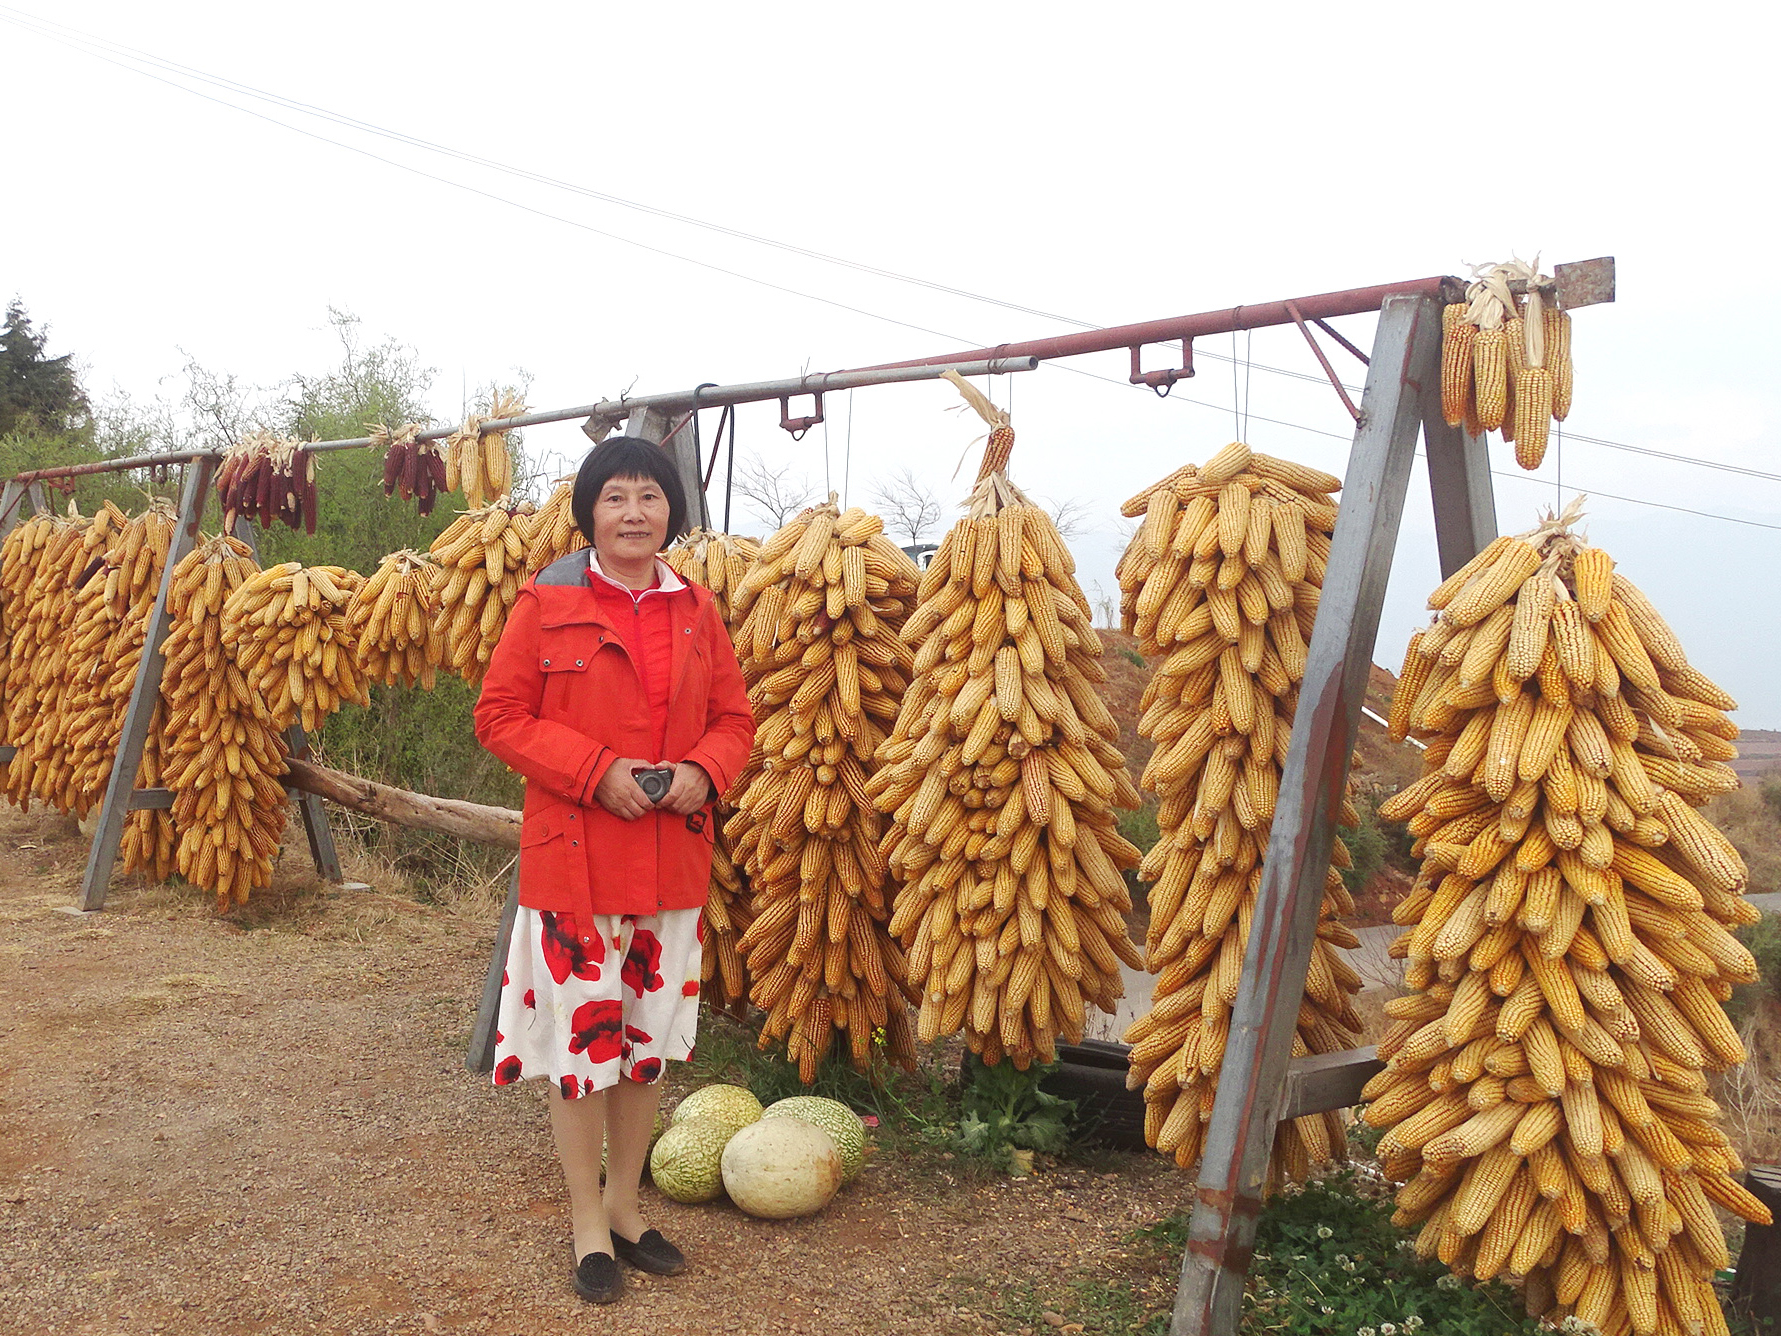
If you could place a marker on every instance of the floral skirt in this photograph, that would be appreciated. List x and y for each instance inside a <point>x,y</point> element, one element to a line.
<point>588,1010</point>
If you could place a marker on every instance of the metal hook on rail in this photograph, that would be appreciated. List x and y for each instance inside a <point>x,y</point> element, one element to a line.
<point>1161,382</point>
<point>698,451</point>
<point>799,426</point>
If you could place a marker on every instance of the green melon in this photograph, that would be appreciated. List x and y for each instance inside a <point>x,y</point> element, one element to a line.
<point>687,1163</point>
<point>835,1118</point>
<point>733,1106</point>
<point>778,1168</point>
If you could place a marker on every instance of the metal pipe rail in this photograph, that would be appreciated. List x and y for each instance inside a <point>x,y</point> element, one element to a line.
<point>606,411</point>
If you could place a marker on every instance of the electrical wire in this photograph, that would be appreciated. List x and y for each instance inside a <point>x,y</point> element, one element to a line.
<point>91,45</point>
<point>78,39</point>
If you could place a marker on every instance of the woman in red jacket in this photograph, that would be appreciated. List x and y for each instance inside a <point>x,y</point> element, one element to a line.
<point>610,665</point>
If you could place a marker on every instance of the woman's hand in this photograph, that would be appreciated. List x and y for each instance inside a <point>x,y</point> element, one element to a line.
<point>618,791</point>
<point>692,789</point>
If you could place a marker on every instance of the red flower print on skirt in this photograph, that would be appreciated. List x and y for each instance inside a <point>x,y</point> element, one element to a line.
<point>564,952</point>
<point>647,1070</point>
<point>643,961</point>
<point>597,1028</point>
<point>568,1018</point>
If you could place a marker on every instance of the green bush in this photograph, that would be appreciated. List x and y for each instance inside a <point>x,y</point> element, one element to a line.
<point>1764,940</point>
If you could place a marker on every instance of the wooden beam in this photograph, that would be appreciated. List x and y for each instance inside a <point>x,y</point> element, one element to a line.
<point>480,1056</point>
<point>1326,1081</point>
<point>145,693</point>
<point>449,816</point>
<point>1240,1135</point>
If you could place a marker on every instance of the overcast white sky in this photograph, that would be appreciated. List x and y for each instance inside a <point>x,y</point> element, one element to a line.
<point>1110,164</point>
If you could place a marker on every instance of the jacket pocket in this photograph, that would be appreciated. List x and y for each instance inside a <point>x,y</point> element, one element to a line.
<point>551,856</point>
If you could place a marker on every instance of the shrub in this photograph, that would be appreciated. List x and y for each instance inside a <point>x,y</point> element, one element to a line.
<point>1328,1259</point>
<point>1764,940</point>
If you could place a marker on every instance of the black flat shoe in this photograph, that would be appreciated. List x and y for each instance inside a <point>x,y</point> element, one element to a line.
<point>651,1253</point>
<point>598,1279</point>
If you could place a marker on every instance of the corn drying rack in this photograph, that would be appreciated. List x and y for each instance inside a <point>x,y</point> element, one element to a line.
<point>1400,405</point>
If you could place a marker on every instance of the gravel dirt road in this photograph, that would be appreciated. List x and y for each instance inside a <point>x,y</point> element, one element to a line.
<point>261,1123</point>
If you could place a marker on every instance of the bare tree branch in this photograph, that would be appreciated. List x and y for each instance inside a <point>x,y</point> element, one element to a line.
<point>907,506</point>
<point>773,494</point>
<point>1071,517</point>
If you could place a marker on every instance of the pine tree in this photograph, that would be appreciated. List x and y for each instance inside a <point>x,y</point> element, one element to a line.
<point>35,390</point>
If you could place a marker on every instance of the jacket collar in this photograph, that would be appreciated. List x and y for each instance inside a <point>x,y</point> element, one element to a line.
<point>567,597</point>
<point>667,582</point>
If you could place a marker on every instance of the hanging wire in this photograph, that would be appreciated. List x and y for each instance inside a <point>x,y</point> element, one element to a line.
<point>1558,466</point>
<point>827,484</point>
<point>730,467</point>
<point>847,464</point>
<point>1248,367</point>
<point>1236,410</point>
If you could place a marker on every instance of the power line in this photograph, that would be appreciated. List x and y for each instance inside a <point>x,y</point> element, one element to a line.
<point>96,47</point>
<point>75,37</point>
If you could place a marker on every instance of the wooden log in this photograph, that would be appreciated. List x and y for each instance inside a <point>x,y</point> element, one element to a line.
<point>449,816</point>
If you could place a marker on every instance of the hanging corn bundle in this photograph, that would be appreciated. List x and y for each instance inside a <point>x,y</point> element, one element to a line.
<point>552,532</point>
<point>110,627</point>
<point>1223,580</point>
<point>1506,360</point>
<point>43,666</point>
<point>412,468</point>
<point>481,560</point>
<point>719,562</point>
<point>818,643</point>
<point>476,461</point>
<point>391,618</point>
<point>222,750</point>
<point>31,551</point>
<point>287,632</point>
<point>1002,775</point>
<point>268,478</point>
<point>1568,954</point>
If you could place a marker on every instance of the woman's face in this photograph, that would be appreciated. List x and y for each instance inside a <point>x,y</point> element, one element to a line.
<point>630,519</point>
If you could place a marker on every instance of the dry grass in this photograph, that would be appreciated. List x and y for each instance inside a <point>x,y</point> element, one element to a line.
<point>397,903</point>
<point>1751,819</point>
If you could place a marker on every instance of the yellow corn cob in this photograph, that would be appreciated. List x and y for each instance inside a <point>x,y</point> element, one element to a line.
<point>1457,334</point>
<point>1490,376</point>
<point>1533,415</point>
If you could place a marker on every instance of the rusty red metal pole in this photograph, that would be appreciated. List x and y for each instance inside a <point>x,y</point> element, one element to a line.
<point>1324,306</point>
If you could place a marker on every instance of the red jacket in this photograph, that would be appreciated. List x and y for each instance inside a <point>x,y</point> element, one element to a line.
<point>563,700</point>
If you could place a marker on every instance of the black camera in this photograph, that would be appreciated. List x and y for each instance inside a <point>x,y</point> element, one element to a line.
<point>655,783</point>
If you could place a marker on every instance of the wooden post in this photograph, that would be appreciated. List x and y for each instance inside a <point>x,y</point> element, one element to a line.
<point>145,694</point>
<point>1756,1289</point>
<point>1240,1137</point>
<point>12,500</point>
<point>480,1056</point>
<point>1459,483</point>
<point>654,425</point>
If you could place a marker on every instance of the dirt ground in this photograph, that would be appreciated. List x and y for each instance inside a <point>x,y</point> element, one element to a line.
<point>262,1124</point>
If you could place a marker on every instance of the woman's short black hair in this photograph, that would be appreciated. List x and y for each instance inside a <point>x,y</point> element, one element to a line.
<point>627,457</point>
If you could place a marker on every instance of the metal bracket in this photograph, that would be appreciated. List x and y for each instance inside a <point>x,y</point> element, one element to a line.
<point>1584,283</point>
<point>1162,381</point>
<point>798,426</point>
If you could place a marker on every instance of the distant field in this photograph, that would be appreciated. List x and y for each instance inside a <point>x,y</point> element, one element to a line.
<point>1759,753</point>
